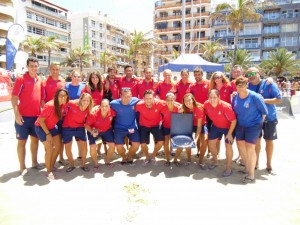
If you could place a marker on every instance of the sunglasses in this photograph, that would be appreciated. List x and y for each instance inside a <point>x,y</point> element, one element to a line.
<point>251,74</point>
<point>217,77</point>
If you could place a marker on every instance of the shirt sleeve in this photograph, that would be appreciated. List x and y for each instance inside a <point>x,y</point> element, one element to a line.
<point>18,86</point>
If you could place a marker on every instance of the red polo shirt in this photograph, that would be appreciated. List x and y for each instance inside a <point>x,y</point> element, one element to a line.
<point>163,88</point>
<point>222,115</point>
<point>97,96</point>
<point>167,115</point>
<point>132,84</point>
<point>114,88</point>
<point>150,117</point>
<point>200,91</point>
<point>181,90</point>
<point>225,93</point>
<point>96,121</point>
<point>75,117</point>
<point>28,90</point>
<point>48,113</point>
<point>49,87</point>
<point>143,86</point>
<point>198,114</point>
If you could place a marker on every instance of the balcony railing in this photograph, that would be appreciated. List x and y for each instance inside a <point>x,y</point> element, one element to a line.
<point>60,15</point>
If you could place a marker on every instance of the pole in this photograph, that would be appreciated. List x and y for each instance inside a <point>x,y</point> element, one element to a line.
<point>183,28</point>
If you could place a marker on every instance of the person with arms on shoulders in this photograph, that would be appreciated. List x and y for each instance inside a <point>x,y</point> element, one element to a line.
<point>149,118</point>
<point>125,125</point>
<point>272,96</point>
<point>223,123</point>
<point>250,111</point>
<point>221,83</point>
<point>99,125</point>
<point>73,126</point>
<point>94,87</point>
<point>49,131</point>
<point>111,83</point>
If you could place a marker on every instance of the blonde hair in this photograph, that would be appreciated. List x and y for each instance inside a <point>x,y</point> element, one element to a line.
<point>91,105</point>
<point>212,84</point>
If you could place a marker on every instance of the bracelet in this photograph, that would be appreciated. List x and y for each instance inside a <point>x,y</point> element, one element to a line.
<point>47,133</point>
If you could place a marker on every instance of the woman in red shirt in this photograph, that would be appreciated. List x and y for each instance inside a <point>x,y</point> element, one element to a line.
<point>189,105</point>
<point>170,107</point>
<point>221,83</point>
<point>47,129</point>
<point>73,126</point>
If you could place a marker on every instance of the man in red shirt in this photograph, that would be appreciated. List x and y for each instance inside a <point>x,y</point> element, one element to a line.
<point>237,71</point>
<point>146,84</point>
<point>183,86</point>
<point>112,83</point>
<point>149,118</point>
<point>165,86</point>
<point>52,83</point>
<point>129,81</point>
<point>26,103</point>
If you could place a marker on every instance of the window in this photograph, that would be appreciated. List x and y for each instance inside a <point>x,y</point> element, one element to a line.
<point>35,30</point>
<point>271,42</point>
<point>163,37</point>
<point>251,43</point>
<point>176,24</point>
<point>163,25</point>
<point>93,34</point>
<point>271,15</point>
<point>51,22</point>
<point>290,27</point>
<point>29,15</point>
<point>271,29</point>
<point>40,18</point>
<point>288,41</point>
<point>100,26</point>
<point>177,12</point>
<point>63,26</point>
<point>176,36</point>
<point>41,58</point>
<point>93,23</point>
<point>94,44</point>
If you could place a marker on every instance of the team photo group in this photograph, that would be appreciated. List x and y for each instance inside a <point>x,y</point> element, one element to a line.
<point>123,113</point>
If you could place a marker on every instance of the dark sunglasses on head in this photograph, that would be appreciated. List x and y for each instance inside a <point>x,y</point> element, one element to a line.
<point>251,74</point>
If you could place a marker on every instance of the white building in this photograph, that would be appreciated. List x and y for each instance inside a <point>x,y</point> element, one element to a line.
<point>100,33</point>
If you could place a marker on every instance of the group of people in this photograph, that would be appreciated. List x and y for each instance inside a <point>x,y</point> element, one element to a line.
<point>120,112</point>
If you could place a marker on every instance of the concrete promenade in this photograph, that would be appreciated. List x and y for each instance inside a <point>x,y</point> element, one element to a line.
<point>151,194</point>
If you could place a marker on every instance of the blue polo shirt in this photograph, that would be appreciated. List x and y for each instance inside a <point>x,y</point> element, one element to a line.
<point>74,91</point>
<point>249,110</point>
<point>267,91</point>
<point>125,118</point>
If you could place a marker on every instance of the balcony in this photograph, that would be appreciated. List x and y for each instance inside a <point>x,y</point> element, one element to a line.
<point>56,14</point>
<point>7,10</point>
<point>271,18</point>
<point>4,25</point>
<point>179,4</point>
<point>187,28</point>
<point>274,32</point>
<point>271,45</point>
<point>252,45</point>
<point>178,17</point>
<point>250,32</point>
<point>178,40</point>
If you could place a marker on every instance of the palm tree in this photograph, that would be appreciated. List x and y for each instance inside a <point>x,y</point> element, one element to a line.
<point>107,59</point>
<point>82,55</point>
<point>72,60</point>
<point>280,61</point>
<point>33,45</point>
<point>49,44</point>
<point>210,49</point>
<point>236,16</point>
<point>243,57</point>
<point>140,44</point>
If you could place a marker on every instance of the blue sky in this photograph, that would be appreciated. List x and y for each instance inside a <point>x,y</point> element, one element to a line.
<point>131,14</point>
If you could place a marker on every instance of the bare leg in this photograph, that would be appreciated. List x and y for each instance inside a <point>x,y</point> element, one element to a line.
<point>204,143</point>
<point>213,149</point>
<point>110,152</point>
<point>242,149</point>
<point>229,156</point>
<point>144,148</point>
<point>34,145</point>
<point>257,150</point>
<point>21,153</point>
<point>83,145</point>
<point>93,153</point>
<point>56,149</point>
<point>189,154</point>
<point>69,154</point>
<point>157,147</point>
<point>122,152</point>
<point>269,151</point>
<point>251,155</point>
<point>167,147</point>
<point>177,154</point>
<point>132,150</point>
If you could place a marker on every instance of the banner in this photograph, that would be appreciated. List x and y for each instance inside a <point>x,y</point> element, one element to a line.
<point>14,37</point>
<point>5,89</point>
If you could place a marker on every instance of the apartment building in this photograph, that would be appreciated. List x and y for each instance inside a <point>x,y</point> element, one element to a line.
<point>281,27</point>
<point>101,34</point>
<point>168,26</point>
<point>7,17</point>
<point>43,18</point>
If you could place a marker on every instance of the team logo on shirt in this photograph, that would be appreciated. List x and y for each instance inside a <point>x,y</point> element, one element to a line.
<point>219,113</point>
<point>261,91</point>
<point>247,106</point>
<point>155,110</point>
<point>132,107</point>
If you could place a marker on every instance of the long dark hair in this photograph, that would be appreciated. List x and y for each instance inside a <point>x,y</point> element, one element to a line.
<point>195,103</point>
<point>99,85</point>
<point>56,102</point>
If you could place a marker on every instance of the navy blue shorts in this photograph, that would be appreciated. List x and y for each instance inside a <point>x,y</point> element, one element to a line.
<point>248,134</point>
<point>121,134</point>
<point>269,131</point>
<point>165,131</point>
<point>217,133</point>
<point>68,133</point>
<point>23,131</point>
<point>145,134</point>
<point>204,129</point>
<point>42,135</point>
<point>107,136</point>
